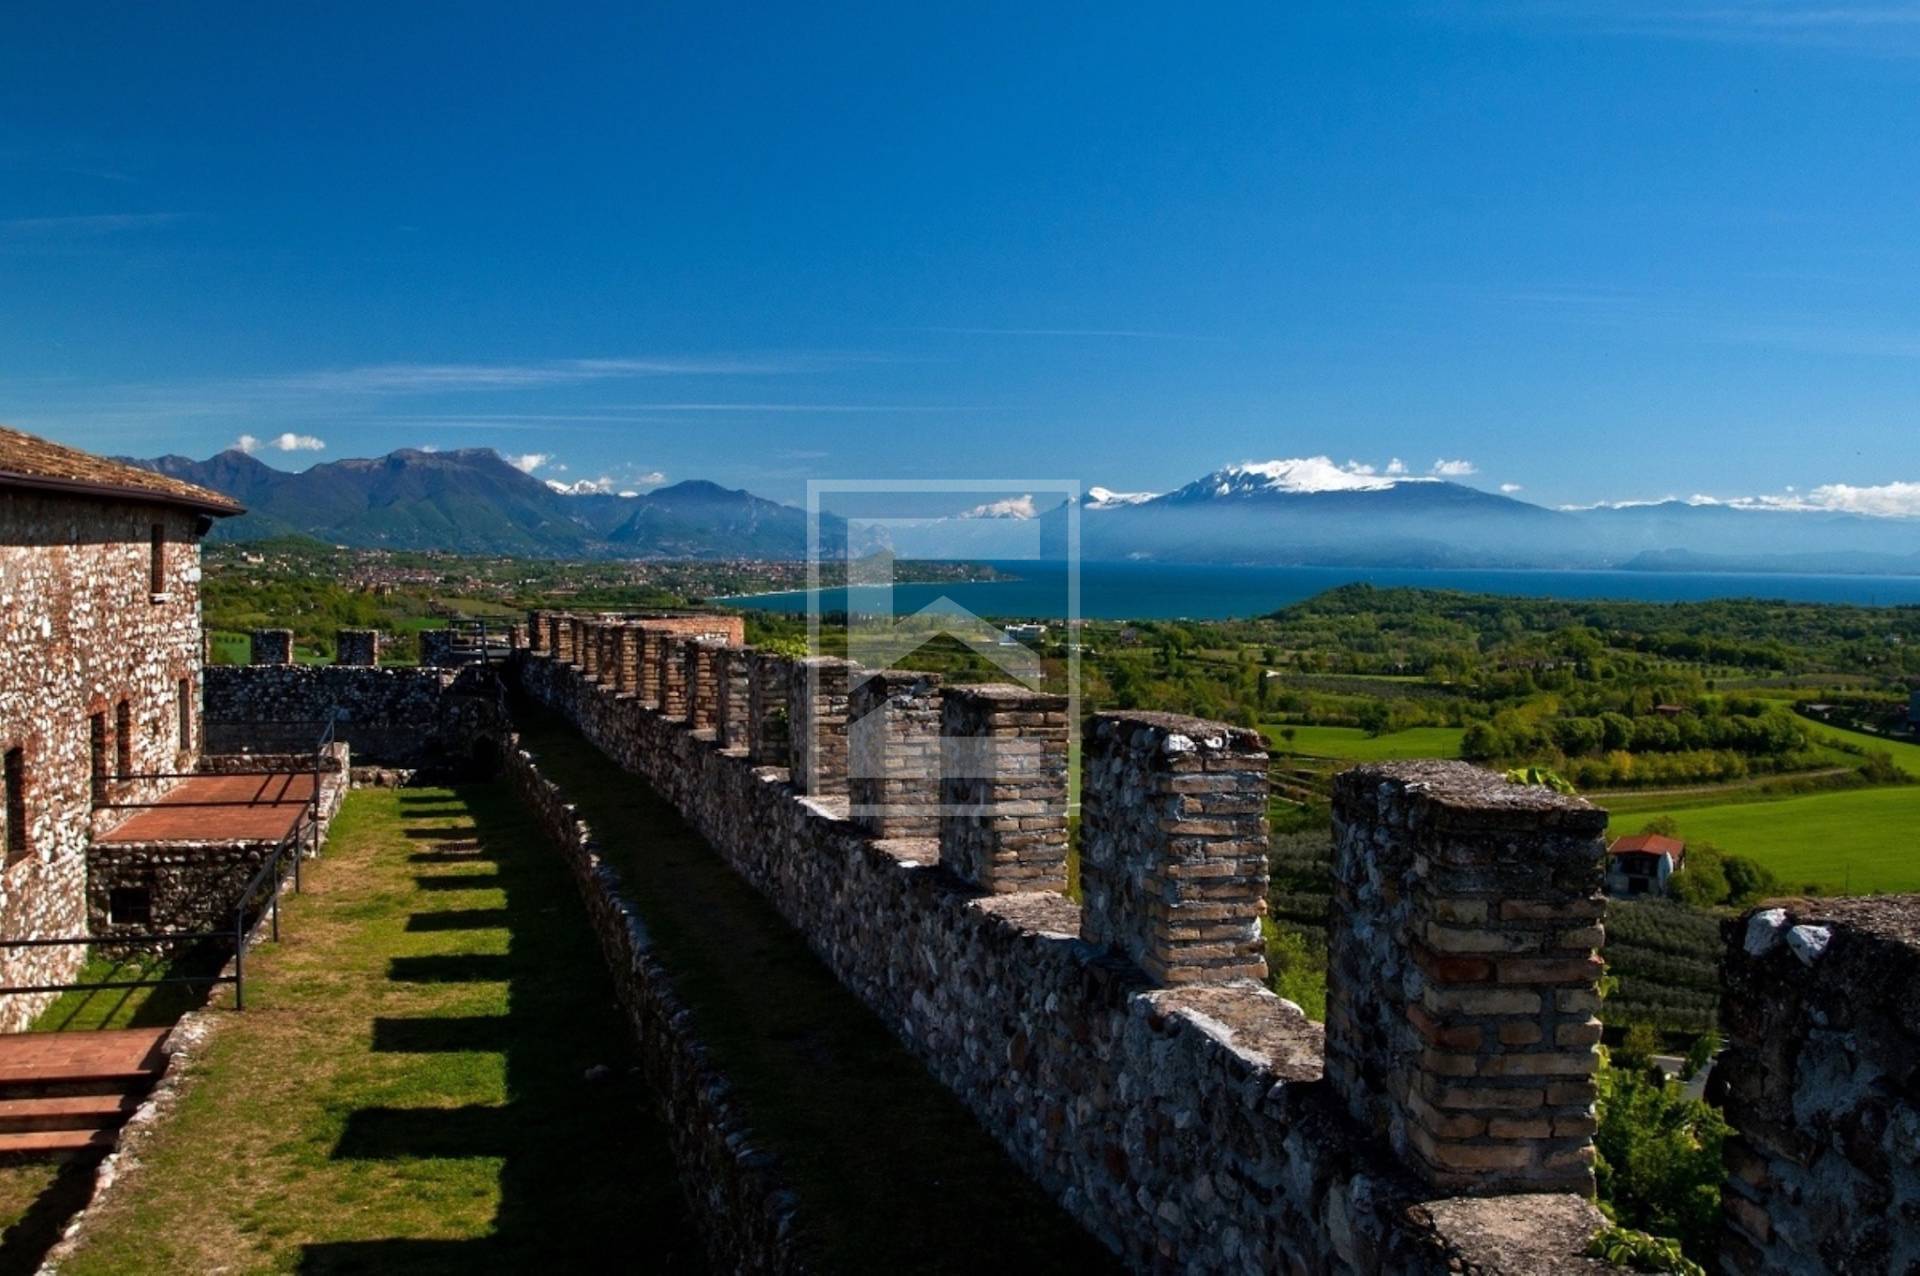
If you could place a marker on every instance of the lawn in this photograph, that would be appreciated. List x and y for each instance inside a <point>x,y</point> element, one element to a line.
<point>1857,840</point>
<point>407,1089</point>
<point>1351,744</point>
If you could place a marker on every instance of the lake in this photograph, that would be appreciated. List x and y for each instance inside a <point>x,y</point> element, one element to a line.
<point>1158,591</point>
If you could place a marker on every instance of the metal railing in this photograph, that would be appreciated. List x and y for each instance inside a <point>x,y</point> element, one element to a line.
<point>258,900</point>
<point>479,642</point>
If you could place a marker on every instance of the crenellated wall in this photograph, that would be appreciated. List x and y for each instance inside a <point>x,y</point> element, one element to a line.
<point>1821,1079</point>
<point>1187,1126</point>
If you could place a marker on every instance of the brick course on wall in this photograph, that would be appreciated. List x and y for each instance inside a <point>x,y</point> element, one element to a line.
<point>1463,972</point>
<point>1003,784</point>
<point>893,753</point>
<point>82,630</point>
<point>1187,1127</point>
<point>1821,1078</point>
<point>817,708</point>
<point>1173,845</point>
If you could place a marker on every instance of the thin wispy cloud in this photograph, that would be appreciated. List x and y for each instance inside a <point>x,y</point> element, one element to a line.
<point>89,224</point>
<point>435,378</point>
<point>1128,334</point>
<point>1887,29</point>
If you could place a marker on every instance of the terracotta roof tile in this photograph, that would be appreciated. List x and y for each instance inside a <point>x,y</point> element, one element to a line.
<point>1649,844</point>
<point>26,460</point>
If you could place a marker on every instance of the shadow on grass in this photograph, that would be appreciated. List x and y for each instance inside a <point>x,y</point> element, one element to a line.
<point>155,1006</point>
<point>587,1181</point>
<point>26,1243</point>
<point>458,882</point>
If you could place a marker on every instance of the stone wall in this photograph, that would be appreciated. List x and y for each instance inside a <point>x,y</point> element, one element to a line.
<point>357,647</point>
<point>1188,1127</point>
<point>817,710</point>
<point>735,1189</point>
<point>83,632</point>
<point>1821,1078</point>
<point>769,692</point>
<point>732,698</point>
<point>398,717</point>
<point>270,647</point>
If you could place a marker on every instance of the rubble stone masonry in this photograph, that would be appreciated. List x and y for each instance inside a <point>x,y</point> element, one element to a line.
<point>769,690</point>
<point>1821,1079</point>
<point>1188,1127</point>
<point>83,632</point>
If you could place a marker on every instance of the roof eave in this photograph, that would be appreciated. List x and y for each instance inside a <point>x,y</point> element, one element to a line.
<point>217,506</point>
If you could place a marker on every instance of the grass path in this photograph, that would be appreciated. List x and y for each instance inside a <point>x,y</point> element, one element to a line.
<point>895,1174</point>
<point>405,1091</point>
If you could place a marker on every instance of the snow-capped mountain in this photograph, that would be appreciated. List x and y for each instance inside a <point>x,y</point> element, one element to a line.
<point>1304,474</point>
<point>1101,498</point>
<point>1313,510</point>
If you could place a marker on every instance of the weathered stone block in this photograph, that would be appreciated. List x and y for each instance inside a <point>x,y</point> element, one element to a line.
<point>893,752</point>
<point>1135,827</point>
<point>271,647</point>
<point>1819,1078</point>
<point>356,647</point>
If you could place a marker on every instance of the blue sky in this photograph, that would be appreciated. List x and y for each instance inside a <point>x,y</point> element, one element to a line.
<point>1599,251</point>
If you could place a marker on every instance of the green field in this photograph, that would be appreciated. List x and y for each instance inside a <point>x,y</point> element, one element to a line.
<point>1905,756</point>
<point>1857,840</point>
<point>1351,744</point>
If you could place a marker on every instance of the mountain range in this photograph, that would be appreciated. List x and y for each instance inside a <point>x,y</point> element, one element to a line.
<point>1304,511</point>
<point>472,501</point>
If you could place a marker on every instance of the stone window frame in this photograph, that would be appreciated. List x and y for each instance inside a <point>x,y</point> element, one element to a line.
<point>186,689</point>
<point>157,563</point>
<point>122,733</point>
<point>99,759</point>
<point>17,844</point>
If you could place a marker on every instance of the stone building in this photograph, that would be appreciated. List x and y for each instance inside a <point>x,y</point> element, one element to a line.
<point>100,660</point>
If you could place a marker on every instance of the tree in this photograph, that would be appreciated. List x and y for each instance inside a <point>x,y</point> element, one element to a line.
<point>1702,879</point>
<point>1748,880</point>
<point>1658,1165</point>
<point>1481,743</point>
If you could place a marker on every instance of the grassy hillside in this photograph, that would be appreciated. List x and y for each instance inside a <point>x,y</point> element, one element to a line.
<point>1351,744</point>
<point>1855,840</point>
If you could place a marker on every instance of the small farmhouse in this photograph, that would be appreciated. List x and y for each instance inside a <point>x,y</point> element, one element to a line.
<point>1643,865</point>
